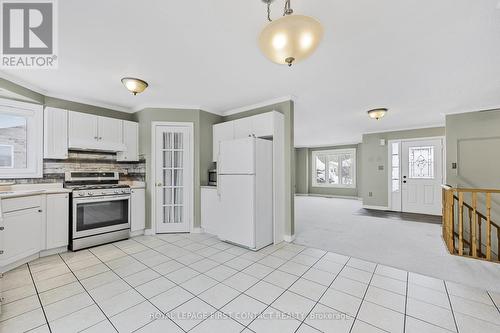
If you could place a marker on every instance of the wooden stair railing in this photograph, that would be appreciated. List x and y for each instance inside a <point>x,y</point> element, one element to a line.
<point>454,221</point>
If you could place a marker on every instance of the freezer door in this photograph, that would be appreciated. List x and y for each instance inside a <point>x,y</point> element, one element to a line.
<point>237,196</point>
<point>237,157</point>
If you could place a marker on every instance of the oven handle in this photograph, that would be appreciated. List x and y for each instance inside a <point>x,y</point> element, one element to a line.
<point>101,198</point>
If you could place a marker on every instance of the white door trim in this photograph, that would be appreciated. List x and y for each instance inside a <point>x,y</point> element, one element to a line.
<point>389,163</point>
<point>152,180</point>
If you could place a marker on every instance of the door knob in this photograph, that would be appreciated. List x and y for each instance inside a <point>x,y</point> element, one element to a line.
<point>404,181</point>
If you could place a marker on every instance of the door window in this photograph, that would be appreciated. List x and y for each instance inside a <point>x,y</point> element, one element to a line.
<point>421,162</point>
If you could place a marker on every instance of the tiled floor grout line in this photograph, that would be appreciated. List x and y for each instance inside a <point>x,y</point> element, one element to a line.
<point>493,301</point>
<point>406,300</point>
<point>39,300</point>
<point>363,299</point>
<point>451,306</point>
<point>324,292</point>
<point>129,251</point>
<point>146,299</point>
<point>222,282</point>
<point>179,285</point>
<point>88,293</point>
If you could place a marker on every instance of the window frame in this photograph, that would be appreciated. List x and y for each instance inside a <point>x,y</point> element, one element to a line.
<point>34,138</point>
<point>338,152</point>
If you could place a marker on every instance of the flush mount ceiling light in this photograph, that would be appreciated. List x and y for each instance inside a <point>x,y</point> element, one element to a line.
<point>134,85</point>
<point>377,113</point>
<point>290,38</point>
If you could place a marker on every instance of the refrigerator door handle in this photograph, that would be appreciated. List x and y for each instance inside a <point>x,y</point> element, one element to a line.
<point>218,173</point>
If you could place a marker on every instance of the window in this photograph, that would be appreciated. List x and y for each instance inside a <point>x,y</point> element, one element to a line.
<point>421,162</point>
<point>21,140</point>
<point>334,168</point>
<point>395,167</point>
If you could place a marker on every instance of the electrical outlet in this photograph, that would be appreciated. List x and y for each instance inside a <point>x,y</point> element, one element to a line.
<point>370,194</point>
<point>380,168</point>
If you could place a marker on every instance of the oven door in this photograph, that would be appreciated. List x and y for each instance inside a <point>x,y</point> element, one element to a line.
<point>97,215</point>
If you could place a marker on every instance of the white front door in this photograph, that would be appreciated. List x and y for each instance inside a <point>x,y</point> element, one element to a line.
<point>174,178</point>
<point>421,176</point>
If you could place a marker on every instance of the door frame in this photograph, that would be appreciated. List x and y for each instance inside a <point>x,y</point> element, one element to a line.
<point>389,165</point>
<point>152,180</point>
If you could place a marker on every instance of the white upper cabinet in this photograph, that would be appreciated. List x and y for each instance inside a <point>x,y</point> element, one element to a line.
<point>131,141</point>
<point>242,127</point>
<point>90,132</point>
<point>55,137</point>
<point>110,132</point>
<point>82,131</point>
<point>263,125</point>
<point>221,132</point>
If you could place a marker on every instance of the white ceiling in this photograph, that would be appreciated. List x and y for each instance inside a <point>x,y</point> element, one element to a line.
<point>420,58</point>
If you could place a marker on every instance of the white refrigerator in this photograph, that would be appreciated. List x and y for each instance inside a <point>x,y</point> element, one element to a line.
<point>245,189</point>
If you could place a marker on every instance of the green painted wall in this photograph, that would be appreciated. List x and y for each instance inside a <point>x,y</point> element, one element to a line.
<point>374,155</point>
<point>202,124</point>
<point>286,108</point>
<point>20,90</point>
<point>301,170</point>
<point>86,108</point>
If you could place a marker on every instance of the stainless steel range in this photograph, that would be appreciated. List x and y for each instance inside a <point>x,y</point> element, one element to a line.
<point>100,209</point>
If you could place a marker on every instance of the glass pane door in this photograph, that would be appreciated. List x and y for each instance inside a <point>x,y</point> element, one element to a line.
<point>172,188</point>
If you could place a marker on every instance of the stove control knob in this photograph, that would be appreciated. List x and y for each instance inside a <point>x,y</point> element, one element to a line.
<point>103,193</point>
<point>116,192</point>
<point>81,194</point>
<point>90,194</point>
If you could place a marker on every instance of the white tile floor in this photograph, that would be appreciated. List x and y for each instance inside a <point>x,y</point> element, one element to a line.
<point>195,283</point>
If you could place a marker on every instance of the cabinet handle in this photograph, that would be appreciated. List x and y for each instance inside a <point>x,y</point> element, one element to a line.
<point>1,251</point>
<point>1,228</point>
<point>96,138</point>
<point>100,138</point>
<point>40,210</point>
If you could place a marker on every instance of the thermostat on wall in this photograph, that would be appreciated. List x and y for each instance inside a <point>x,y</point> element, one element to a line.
<point>382,142</point>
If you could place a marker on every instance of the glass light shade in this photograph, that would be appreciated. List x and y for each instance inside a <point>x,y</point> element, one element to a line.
<point>134,85</point>
<point>290,38</point>
<point>377,113</point>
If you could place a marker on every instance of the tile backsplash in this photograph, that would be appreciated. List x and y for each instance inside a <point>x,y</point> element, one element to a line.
<point>53,170</point>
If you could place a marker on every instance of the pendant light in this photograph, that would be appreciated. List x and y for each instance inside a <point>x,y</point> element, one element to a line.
<point>134,85</point>
<point>290,38</point>
<point>377,113</point>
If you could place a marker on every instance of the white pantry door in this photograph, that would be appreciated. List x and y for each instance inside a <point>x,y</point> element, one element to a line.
<point>174,178</point>
<point>422,176</point>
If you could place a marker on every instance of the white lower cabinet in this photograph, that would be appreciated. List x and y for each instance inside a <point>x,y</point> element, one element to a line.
<point>138,210</point>
<point>210,210</point>
<point>30,225</point>
<point>57,217</point>
<point>22,230</point>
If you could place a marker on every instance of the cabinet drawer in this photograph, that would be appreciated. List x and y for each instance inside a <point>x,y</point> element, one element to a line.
<point>13,204</point>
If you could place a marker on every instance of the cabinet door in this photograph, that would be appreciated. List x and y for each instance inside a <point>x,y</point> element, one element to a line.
<point>57,210</point>
<point>243,128</point>
<point>131,141</point>
<point>263,125</point>
<point>138,210</point>
<point>221,132</point>
<point>82,131</point>
<point>210,211</point>
<point>55,133</point>
<point>22,230</point>
<point>110,132</point>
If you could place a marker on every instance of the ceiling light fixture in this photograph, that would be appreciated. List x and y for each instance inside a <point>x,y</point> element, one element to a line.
<point>134,85</point>
<point>290,38</point>
<point>377,113</point>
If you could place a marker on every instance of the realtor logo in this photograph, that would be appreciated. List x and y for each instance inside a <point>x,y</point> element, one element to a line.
<point>28,34</point>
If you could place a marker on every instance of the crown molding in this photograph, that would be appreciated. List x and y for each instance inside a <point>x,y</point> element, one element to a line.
<point>258,105</point>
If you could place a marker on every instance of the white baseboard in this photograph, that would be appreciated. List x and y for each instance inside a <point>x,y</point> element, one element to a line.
<point>197,230</point>
<point>50,252</point>
<point>376,207</point>
<point>289,238</point>
<point>149,232</point>
<point>327,196</point>
<point>136,233</point>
